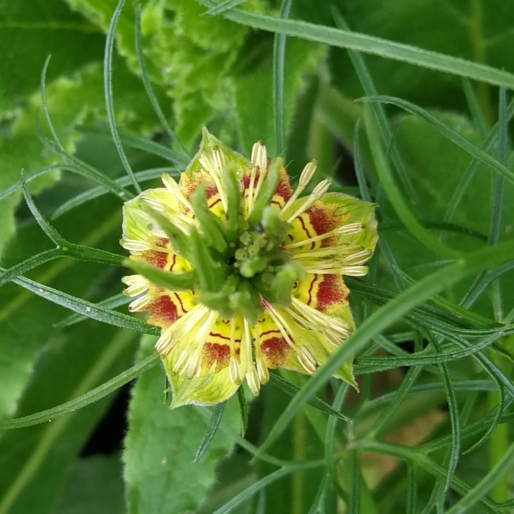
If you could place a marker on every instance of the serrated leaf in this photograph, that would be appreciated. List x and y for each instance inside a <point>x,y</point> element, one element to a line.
<point>84,101</point>
<point>187,53</point>
<point>161,445</point>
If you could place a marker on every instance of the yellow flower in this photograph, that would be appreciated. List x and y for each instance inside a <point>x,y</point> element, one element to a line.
<point>241,273</point>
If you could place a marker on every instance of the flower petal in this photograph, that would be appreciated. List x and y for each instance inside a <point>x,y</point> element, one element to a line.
<point>325,293</point>
<point>207,147</point>
<point>274,348</point>
<point>210,389</point>
<point>317,345</point>
<point>357,211</point>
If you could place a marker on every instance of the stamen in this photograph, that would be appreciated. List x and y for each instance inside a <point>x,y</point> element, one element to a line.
<point>307,360</point>
<point>194,365</point>
<point>140,303</point>
<point>245,354</point>
<point>183,325</point>
<point>253,380</point>
<point>181,363</point>
<point>211,165</point>
<point>219,160</point>
<point>305,178</point>
<point>165,344</point>
<point>332,269</point>
<point>250,198</point>
<point>262,369</point>
<point>259,156</point>
<point>233,367</point>
<point>172,186</point>
<point>351,228</point>
<point>316,195</point>
<point>339,250</point>
<point>334,329</point>
<point>137,284</point>
<point>358,258</point>
<point>134,245</point>
<point>233,371</point>
<point>179,218</point>
<point>281,325</point>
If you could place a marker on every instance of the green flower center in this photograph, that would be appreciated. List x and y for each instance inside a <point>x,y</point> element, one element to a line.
<point>237,263</point>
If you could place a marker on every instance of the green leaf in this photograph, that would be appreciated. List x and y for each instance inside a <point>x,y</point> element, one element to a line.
<point>35,461</point>
<point>167,441</point>
<point>94,485</point>
<point>478,31</point>
<point>83,400</point>
<point>25,317</point>
<point>254,95</point>
<point>30,32</point>
<point>372,45</point>
<point>84,99</point>
<point>185,52</point>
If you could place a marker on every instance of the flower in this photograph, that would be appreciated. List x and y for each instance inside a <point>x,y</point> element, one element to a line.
<point>241,273</point>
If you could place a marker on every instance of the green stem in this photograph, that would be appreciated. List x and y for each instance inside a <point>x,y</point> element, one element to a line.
<point>498,445</point>
<point>479,55</point>
<point>299,455</point>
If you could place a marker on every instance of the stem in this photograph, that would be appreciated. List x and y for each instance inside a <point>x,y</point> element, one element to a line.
<point>498,445</point>
<point>299,455</point>
<point>479,56</point>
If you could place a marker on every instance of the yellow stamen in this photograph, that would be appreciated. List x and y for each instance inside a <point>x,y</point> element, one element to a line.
<point>259,156</point>
<point>307,360</point>
<point>351,228</point>
<point>262,369</point>
<point>305,178</point>
<point>140,303</point>
<point>174,189</point>
<point>316,195</point>
<point>136,285</point>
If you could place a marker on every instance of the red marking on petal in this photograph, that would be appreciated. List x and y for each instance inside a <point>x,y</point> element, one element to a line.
<point>189,185</point>
<point>155,258</point>
<point>275,351</point>
<point>164,312</point>
<point>323,219</point>
<point>214,353</point>
<point>284,189</point>
<point>246,179</point>
<point>332,293</point>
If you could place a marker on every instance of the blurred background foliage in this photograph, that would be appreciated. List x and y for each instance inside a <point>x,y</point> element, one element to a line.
<point>206,69</point>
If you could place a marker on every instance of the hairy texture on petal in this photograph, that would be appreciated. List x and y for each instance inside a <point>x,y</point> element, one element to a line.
<point>210,389</point>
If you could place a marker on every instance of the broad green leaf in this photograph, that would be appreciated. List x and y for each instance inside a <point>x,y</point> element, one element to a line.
<point>436,167</point>
<point>35,461</point>
<point>430,157</point>
<point>94,485</point>
<point>161,445</point>
<point>478,31</point>
<point>254,95</point>
<point>30,32</point>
